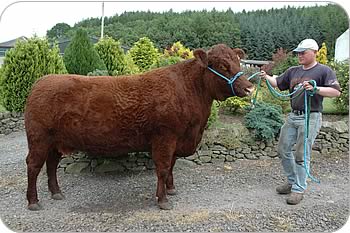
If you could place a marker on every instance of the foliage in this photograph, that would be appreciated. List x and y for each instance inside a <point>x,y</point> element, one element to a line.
<point>58,31</point>
<point>259,33</point>
<point>265,120</point>
<point>174,54</point>
<point>80,57</point>
<point>342,71</point>
<point>289,61</point>
<point>112,55</point>
<point>178,50</point>
<point>144,54</point>
<point>265,96</point>
<point>321,56</point>
<point>234,103</point>
<point>214,112</point>
<point>130,66</point>
<point>23,65</point>
<point>98,73</point>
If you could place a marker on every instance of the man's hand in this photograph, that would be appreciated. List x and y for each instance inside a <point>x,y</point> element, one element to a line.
<point>262,74</point>
<point>307,86</point>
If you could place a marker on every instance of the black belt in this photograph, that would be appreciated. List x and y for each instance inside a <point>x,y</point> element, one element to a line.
<point>300,112</point>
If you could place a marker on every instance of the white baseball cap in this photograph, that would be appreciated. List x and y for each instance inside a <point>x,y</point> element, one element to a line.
<point>306,44</point>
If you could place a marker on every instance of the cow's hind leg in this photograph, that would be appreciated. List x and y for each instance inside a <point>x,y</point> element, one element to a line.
<point>163,149</point>
<point>170,187</point>
<point>51,169</point>
<point>35,160</point>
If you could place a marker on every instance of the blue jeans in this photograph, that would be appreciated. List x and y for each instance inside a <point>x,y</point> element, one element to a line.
<point>292,133</point>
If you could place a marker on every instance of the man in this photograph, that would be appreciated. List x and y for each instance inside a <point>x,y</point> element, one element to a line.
<point>292,132</point>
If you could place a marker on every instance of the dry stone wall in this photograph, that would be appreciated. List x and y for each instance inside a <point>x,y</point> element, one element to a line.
<point>217,146</point>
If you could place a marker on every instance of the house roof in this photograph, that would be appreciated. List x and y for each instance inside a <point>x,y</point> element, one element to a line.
<point>11,43</point>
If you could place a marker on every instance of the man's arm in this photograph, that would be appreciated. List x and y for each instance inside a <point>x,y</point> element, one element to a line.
<point>272,79</point>
<point>324,91</point>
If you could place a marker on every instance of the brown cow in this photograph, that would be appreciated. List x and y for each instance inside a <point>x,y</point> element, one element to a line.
<point>163,111</point>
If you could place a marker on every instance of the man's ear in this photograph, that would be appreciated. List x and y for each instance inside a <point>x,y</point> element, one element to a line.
<point>201,57</point>
<point>240,53</point>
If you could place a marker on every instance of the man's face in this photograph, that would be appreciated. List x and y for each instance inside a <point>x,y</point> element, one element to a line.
<point>307,57</point>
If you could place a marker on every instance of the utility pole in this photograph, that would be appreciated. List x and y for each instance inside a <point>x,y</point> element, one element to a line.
<point>103,19</point>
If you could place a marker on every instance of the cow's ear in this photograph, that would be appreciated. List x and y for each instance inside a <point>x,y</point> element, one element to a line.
<point>201,57</point>
<point>240,53</point>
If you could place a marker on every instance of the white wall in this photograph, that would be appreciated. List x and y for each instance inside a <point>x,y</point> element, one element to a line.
<point>342,47</point>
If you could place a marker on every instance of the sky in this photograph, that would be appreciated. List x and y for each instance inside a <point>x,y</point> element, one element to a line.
<point>26,18</point>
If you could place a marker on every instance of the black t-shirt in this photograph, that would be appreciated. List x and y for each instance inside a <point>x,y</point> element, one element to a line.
<point>322,74</point>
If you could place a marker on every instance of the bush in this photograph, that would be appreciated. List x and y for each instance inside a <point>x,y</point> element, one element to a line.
<point>80,57</point>
<point>112,55</point>
<point>342,71</point>
<point>176,53</point>
<point>265,120</point>
<point>130,66</point>
<point>98,73</point>
<point>235,103</point>
<point>144,54</point>
<point>214,112</point>
<point>23,65</point>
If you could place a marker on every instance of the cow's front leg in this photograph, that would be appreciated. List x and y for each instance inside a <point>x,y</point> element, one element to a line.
<point>163,148</point>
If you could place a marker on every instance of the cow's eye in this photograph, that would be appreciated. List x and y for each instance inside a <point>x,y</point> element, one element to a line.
<point>222,67</point>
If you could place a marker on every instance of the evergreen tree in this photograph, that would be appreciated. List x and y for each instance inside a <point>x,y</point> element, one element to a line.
<point>23,65</point>
<point>321,56</point>
<point>144,54</point>
<point>112,55</point>
<point>80,57</point>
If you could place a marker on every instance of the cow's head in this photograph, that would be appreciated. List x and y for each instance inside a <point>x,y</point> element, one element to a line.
<point>225,61</point>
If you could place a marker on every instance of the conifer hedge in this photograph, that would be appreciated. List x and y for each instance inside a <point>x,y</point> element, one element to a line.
<point>80,57</point>
<point>23,65</point>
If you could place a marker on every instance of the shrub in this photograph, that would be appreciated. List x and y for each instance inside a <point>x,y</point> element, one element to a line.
<point>214,112</point>
<point>23,65</point>
<point>130,66</point>
<point>98,73</point>
<point>144,54</point>
<point>112,55</point>
<point>321,55</point>
<point>80,57</point>
<point>235,103</point>
<point>342,72</point>
<point>265,120</point>
<point>282,66</point>
<point>174,54</point>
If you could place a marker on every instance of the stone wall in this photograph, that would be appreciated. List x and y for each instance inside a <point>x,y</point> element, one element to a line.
<point>218,145</point>
<point>11,122</point>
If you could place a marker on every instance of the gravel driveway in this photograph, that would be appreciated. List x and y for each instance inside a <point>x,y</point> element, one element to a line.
<point>239,196</point>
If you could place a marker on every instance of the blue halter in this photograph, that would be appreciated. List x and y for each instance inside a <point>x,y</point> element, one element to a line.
<point>229,81</point>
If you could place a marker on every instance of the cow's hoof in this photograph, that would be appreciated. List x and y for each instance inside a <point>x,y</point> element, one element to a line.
<point>171,192</point>
<point>35,207</point>
<point>165,205</point>
<point>58,196</point>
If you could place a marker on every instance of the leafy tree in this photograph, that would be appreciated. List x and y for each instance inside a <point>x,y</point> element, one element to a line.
<point>321,56</point>
<point>23,65</point>
<point>58,31</point>
<point>112,55</point>
<point>144,54</point>
<point>80,57</point>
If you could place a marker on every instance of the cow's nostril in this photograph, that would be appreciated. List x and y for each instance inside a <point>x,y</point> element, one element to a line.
<point>250,90</point>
